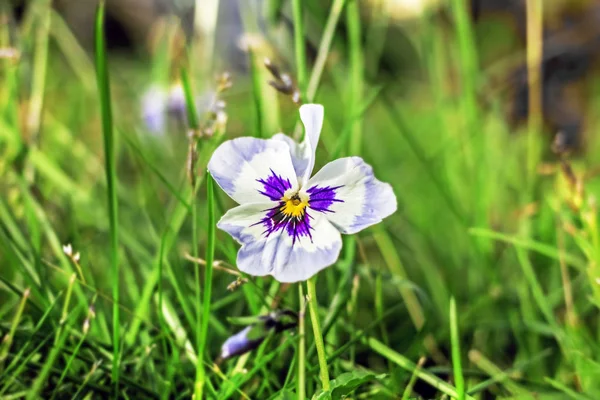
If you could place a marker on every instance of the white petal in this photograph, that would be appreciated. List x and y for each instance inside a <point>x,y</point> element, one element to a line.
<point>312,118</point>
<point>278,254</point>
<point>307,256</point>
<point>239,166</point>
<point>300,153</point>
<point>360,200</point>
<point>242,223</point>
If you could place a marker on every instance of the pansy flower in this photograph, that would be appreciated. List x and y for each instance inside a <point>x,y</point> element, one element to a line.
<point>289,223</point>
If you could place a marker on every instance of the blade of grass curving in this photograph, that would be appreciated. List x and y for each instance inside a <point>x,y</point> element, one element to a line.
<point>102,78</point>
<point>459,379</point>
<point>408,365</point>
<point>567,391</point>
<point>413,379</point>
<point>506,374</point>
<point>529,244</point>
<point>494,371</point>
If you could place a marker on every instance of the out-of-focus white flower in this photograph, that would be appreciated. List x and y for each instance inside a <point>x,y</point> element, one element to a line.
<point>154,103</point>
<point>160,103</point>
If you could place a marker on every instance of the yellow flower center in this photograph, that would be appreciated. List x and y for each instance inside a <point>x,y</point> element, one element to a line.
<point>293,206</point>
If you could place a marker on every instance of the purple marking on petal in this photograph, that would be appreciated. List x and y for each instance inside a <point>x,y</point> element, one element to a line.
<point>274,186</point>
<point>321,198</point>
<point>276,220</point>
<point>299,227</point>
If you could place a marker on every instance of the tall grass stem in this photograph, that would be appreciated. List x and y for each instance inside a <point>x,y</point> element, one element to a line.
<point>459,379</point>
<point>300,45</point>
<point>102,78</point>
<point>356,73</point>
<point>314,317</point>
<point>207,292</point>
<point>301,383</point>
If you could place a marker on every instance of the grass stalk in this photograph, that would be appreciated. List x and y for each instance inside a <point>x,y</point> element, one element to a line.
<point>300,46</point>
<point>356,73</point>
<point>65,309</point>
<point>314,318</point>
<point>413,379</point>
<point>86,328</point>
<point>468,71</point>
<point>7,340</point>
<point>102,78</point>
<point>301,382</point>
<point>38,84</point>
<point>323,52</point>
<point>408,365</point>
<point>534,63</point>
<point>494,371</point>
<point>209,257</point>
<point>459,379</point>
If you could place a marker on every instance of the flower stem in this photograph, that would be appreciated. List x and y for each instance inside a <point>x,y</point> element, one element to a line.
<point>314,317</point>
<point>301,383</point>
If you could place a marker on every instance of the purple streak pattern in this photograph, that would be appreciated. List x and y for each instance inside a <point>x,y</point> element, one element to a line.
<point>320,199</point>
<point>296,227</point>
<point>274,186</point>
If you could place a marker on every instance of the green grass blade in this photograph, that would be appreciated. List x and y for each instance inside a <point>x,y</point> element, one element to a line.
<point>408,365</point>
<point>209,257</point>
<point>300,46</point>
<point>103,81</point>
<point>459,379</point>
<point>529,244</point>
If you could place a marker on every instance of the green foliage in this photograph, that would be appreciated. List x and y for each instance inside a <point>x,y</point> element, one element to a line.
<point>488,273</point>
<point>347,383</point>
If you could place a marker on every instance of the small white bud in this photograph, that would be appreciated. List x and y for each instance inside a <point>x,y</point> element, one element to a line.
<point>68,249</point>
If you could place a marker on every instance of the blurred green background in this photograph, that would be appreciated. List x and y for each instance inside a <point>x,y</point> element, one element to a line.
<point>497,200</point>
